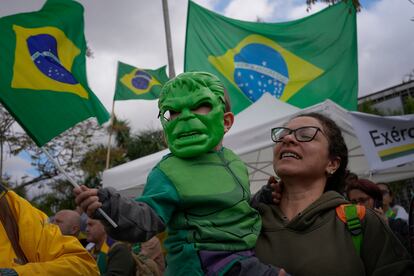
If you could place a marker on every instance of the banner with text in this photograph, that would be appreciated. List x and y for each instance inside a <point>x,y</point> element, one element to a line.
<point>388,141</point>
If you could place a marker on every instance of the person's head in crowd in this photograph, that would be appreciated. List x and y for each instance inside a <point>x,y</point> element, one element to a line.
<point>350,177</point>
<point>310,146</point>
<point>364,192</point>
<point>83,218</point>
<point>387,195</point>
<point>95,232</point>
<point>68,222</point>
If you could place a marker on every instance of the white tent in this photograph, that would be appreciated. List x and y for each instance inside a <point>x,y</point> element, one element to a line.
<point>250,139</point>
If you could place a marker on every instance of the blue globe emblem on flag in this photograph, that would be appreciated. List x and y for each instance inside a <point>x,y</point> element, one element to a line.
<point>260,69</point>
<point>43,51</point>
<point>141,80</point>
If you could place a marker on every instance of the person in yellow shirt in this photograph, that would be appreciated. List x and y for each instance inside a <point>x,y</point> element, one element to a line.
<point>29,245</point>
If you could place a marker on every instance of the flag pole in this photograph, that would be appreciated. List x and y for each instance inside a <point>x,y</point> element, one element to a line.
<point>74,184</point>
<point>111,126</point>
<point>171,71</point>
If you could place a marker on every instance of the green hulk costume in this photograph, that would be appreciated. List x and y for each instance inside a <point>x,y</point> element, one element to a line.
<point>200,192</point>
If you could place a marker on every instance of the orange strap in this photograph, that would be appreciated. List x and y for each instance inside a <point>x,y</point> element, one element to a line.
<point>340,212</point>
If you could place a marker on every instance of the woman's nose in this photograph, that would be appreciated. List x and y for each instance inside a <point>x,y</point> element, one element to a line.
<point>289,138</point>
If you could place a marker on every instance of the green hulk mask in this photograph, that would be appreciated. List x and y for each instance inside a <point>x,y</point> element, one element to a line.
<point>191,112</point>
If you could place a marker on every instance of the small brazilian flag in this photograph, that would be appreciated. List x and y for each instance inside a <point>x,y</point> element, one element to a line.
<point>42,70</point>
<point>302,62</point>
<point>133,83</point>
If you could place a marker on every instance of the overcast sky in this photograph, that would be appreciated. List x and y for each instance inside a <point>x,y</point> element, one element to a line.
<point>132,31</point>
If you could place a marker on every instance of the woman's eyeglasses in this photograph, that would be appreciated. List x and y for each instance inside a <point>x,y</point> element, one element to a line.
<point>361,200</point>
<point>302,134</point>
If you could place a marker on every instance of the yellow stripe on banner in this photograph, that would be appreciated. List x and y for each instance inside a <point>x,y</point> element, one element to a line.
<point>399,150</point>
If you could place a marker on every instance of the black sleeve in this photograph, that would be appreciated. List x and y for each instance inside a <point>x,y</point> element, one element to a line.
<point>264,195</point>
<point>137,221</point>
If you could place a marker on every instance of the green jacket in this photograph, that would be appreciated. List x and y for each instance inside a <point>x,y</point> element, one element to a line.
<point>317,242</point>
<point>203,202</point>
<point>206,208</point>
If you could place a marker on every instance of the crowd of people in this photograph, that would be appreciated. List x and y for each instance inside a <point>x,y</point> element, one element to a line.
<point>317,218</point>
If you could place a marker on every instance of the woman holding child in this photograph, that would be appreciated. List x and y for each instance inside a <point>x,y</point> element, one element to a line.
<point>303,233</point>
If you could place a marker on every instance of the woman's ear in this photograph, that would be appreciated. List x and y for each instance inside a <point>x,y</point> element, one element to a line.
<point>333,165</point>
<point>228,121</point>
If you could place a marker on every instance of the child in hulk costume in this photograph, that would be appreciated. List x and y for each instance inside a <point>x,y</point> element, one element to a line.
<point>199,192</point>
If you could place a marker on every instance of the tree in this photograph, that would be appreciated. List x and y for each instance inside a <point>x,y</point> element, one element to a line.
<point>6,134</point>
<point>368,107</point>
<point>145,143</point>
<point>67,149</point>
<point>409,105</point>
<point>94,162</point>
<point>60,197</point>
<point>122,131</point>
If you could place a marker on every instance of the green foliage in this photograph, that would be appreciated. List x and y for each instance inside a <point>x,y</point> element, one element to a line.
<point>60,197</point>
<point>409,105</point>
<point>6,135</point>
<point>127,147</point>
<point>94,162</point>
<point>145,143</point>
<point>121,130</point>
<point>367,107</point>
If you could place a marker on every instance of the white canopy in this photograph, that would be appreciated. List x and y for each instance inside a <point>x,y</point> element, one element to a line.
<point>250,139</point>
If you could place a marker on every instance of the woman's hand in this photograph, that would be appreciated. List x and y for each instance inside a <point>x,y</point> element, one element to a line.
<point>277,189</point>
<point>282,272</point>
<point>381,213</point>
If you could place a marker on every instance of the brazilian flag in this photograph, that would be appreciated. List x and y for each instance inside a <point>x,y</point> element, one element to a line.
<point>302,62</point>
<point>42,70</point>
<point>134,83</point>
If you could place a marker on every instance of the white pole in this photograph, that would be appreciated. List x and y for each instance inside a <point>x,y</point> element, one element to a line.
<point>111,125</point>
<point>74,184</point>
<point>171,71</point>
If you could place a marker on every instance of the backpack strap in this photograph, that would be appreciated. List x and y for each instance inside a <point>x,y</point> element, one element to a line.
<point>11,227</point>
<point>351,215</point>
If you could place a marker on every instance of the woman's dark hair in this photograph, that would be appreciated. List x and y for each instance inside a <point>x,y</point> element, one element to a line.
<point>367,186</point>
<point>336,148</point>
<point>388,187</point>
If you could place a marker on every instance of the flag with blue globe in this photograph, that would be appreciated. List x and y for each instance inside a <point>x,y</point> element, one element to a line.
<point>134,83</point>
<point>43,50</point>
<point>260,69</point>
<point>301,62</point>
<point>43,80</point>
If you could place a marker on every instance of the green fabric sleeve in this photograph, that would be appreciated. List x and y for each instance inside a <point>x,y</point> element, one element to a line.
<point>160,194</point>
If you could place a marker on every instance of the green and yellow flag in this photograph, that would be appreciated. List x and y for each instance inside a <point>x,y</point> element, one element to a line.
<point>302,62</point>
<point>42,70</point>
<point>133,83</point>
